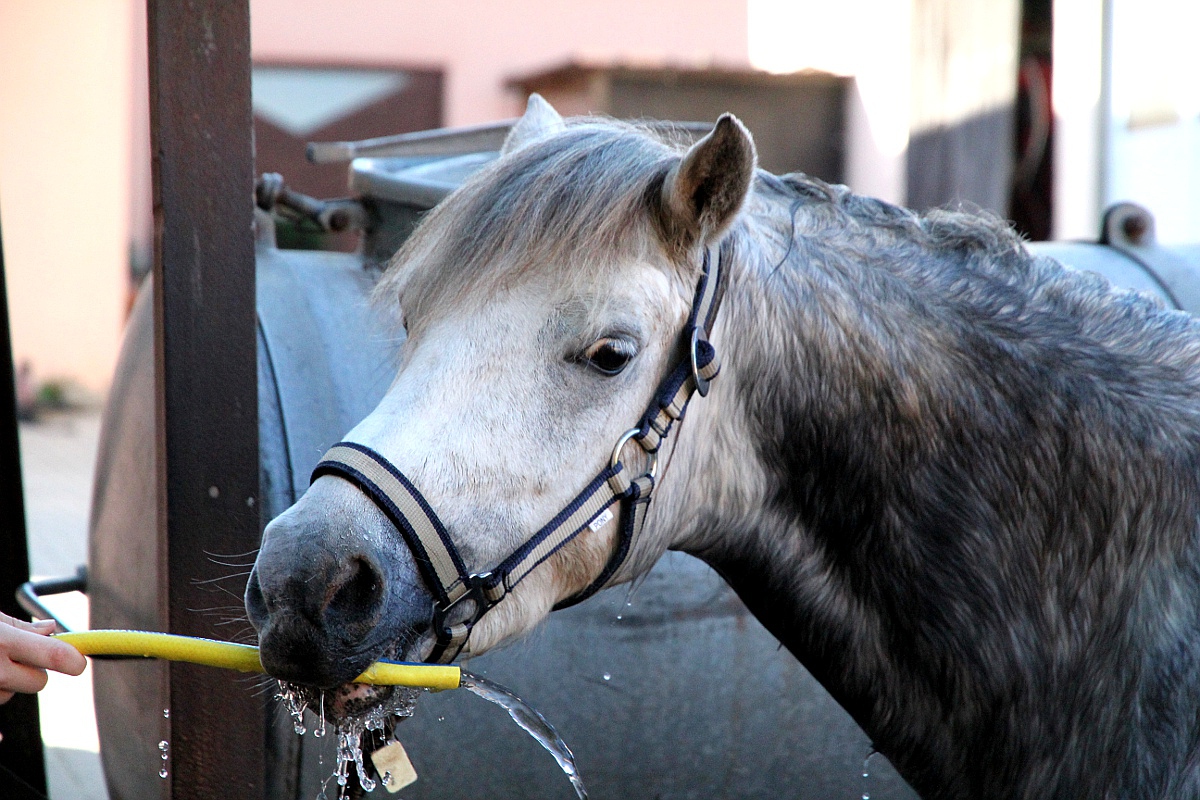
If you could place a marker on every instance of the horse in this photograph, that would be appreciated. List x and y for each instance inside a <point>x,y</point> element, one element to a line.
<point>958,482</point>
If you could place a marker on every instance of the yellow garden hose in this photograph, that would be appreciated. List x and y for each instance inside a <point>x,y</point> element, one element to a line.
<point>243,657</point>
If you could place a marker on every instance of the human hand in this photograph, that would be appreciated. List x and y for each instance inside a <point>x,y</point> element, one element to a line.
<point>27,651</point>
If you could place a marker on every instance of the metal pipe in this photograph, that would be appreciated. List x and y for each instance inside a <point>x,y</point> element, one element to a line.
<point>30,594</point>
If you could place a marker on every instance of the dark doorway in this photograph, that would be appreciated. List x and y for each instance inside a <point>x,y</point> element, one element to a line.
<point>1030,205</point>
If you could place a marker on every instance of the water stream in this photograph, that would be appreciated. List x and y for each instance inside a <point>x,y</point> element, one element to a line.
<point>376,725</point>
<point>531,722</point>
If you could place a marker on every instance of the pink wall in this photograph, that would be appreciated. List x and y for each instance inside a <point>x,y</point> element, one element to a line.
<point>482,43</point>
<point>72,82</point>
<point>64,182</point>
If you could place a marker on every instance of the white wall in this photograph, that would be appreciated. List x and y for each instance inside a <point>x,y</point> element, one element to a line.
<point>1078,48</point>
<point>1154,133</point>
<point>868,39</point>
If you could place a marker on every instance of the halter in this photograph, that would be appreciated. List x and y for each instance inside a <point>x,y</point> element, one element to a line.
<point>438,559</point>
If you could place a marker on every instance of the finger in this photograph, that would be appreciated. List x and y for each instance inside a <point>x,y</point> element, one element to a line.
<point>42,626</point>
<point>43,652</point>
<point>22,678</point>
<point>38,626</point>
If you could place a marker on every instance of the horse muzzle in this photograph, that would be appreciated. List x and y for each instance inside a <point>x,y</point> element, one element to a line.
<point>331,592</point>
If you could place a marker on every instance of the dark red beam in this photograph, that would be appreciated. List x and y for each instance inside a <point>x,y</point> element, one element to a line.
<point>206,375</point>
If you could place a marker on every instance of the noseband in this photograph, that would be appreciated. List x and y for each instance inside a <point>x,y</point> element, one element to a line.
<point>438,559</point>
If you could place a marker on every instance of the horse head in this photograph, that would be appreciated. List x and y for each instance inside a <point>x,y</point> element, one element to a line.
<point>543,304</point>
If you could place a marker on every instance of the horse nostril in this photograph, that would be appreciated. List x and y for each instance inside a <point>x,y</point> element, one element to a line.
<point>359,598</point>
<point>256,603</point>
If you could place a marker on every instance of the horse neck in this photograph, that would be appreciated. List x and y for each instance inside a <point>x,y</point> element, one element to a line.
<point>775,458</point>
<point>908,508</point>
<point>801,365</point>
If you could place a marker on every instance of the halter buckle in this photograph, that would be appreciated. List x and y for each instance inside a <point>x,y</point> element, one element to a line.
<point>702,383</point>
<point>475,591</point>
<point>624,440</point>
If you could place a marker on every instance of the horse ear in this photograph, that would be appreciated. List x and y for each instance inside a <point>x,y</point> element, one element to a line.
<point>703,193</point>
<point>540,119</point>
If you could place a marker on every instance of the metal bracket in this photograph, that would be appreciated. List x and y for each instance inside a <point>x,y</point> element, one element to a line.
<point>332,216</point>
<point>1129,228</point>
<point>30,593</point>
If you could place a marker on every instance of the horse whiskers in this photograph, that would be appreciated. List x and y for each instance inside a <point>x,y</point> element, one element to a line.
<point>247,554</point>
<point>234,564</point>
<point>226,613</point>
<point>236,621</point>
<point>205,581</point>
<point>216,587</point>
<point>223,609</point>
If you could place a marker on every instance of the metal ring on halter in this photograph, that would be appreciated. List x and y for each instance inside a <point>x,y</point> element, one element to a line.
<point>701,382</point>
<point>474,593</point>
<point>624,440</point>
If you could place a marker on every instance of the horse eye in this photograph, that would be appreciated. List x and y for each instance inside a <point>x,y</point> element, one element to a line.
<point>608,356</point>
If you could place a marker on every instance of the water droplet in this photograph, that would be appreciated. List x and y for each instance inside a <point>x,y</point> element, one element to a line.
<point>386,780</point>
<point>608,676</point>
<point>163,745</point>
<point>866,772</point>
<point>214,492</point>
<point>320,729</point>
<point>162,773</point>
<point>166,713</point>
<point>441,719</point>
<point>295,701</point>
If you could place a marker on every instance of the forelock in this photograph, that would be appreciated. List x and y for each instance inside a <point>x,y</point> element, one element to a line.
<point>576,202</point>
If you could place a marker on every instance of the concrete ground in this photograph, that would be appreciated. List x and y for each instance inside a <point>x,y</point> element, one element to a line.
<point>58,454</point>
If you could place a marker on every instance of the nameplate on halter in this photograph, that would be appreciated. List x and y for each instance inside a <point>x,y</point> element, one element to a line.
<point>394,768</point>
<point>599,522</point>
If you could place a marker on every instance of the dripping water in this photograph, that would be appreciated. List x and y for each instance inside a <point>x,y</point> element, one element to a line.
<point>866,774</point>
<point>377,721</point>
<point>352,730</point>
<point>320,730</point>
<point>295,700</point>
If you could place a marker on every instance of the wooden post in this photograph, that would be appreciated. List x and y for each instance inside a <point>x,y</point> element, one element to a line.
<point>206,379</point>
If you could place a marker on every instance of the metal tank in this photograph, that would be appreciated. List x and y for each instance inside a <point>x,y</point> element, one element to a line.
<point>668,690</point>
